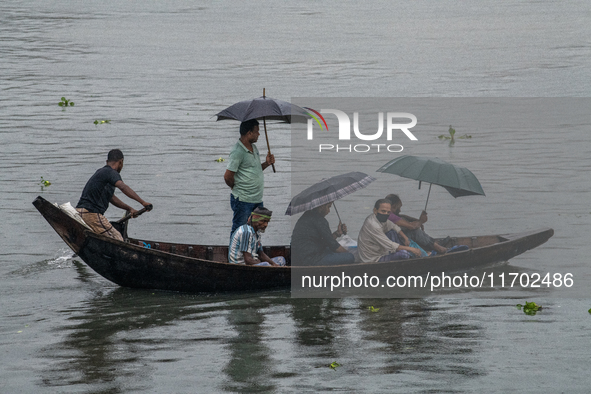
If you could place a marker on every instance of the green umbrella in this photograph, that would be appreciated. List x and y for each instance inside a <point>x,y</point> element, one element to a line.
<point>458,181</point>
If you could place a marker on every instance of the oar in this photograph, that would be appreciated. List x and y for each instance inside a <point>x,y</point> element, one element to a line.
<point>138,213</point>
<point>266,136</point>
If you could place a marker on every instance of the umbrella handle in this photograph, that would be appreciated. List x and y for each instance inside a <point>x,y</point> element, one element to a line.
<point>267,138</point>
<point>339,216</point>
<point>430,184</point>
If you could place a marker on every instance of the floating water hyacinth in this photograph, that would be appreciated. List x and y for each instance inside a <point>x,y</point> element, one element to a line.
<point>97,122</point>
<point>451,136</point>
<point>65,103</point>
<point>372,309</point>
<point>44,183</point>
<point>334,365</point>
<point>530,308</point>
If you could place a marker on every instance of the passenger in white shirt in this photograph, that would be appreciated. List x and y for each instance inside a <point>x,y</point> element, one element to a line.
<point>374,245</point>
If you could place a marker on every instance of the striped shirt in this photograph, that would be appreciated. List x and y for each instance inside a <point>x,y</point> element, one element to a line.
<point>244,239</point>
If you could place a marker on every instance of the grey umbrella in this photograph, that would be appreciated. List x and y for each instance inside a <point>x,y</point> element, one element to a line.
<point>265,108</point>
<point>328,190</point>
<point>458,181</point>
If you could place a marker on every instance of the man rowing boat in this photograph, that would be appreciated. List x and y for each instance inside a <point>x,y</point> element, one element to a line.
<point>100,191</point>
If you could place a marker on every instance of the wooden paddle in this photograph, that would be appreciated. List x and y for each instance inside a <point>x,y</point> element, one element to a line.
<point>138,213</point>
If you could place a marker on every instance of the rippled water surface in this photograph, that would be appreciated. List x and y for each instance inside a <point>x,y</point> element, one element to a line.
<point>159,72</point>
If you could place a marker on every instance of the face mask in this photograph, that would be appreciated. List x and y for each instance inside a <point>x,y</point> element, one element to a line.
<point>382,217</point>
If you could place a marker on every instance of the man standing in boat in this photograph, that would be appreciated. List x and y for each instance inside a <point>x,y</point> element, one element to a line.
<point>244,174</point>
<point>100,191</point>
<point>245,243</point>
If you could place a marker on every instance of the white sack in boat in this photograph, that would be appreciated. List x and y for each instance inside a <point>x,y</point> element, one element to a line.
<point>71,212</point>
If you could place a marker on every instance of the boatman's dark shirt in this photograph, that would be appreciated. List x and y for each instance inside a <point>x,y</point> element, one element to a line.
<point>99,190</point>
<point>311,239</point>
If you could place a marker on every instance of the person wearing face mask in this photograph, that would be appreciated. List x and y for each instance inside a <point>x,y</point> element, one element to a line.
<point>373,243</point>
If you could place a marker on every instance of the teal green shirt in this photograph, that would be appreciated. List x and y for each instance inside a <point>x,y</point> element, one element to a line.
<point>249,180</point>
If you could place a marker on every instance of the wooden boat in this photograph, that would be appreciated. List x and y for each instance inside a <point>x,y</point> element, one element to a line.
<point>201,268</point>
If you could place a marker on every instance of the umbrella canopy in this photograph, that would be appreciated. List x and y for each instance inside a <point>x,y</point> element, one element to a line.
<point>328,190</point>
<point>265,108</point>
<point>458,181</point>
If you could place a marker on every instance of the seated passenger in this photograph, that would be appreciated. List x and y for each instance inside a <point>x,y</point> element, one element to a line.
<point>413,228</point>
<point>245,243</point>
<point>374,245</point>
<point>312,242</point>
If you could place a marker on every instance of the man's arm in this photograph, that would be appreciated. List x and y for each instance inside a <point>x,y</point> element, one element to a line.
<point>120,204</point>
<point>341,249</point>
<point>128,191</point>
<point>341,229</point>
<point>376,233</point>
<point>404,238</point>
<point>408,225</point>
<point>263,256</point>
<point>229,178</point>
<point>414,251</point>
<point>269,161</point>
<point>408,218</point>
<point>249,260</point>
<point>422,219</point>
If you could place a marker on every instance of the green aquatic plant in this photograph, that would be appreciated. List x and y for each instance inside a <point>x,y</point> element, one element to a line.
<point>97,122</point>
<point>372,309</point>
<point>334,365</point>
<point>44,183</point>
<point>65,103</point>
<point>451,136</point>
<point>530,308</point>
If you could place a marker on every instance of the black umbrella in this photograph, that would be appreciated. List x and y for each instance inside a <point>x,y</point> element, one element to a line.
<point>458,181</point>
<point>264,108</point>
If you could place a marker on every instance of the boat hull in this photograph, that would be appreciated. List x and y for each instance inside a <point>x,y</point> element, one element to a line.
<point>201,268</point>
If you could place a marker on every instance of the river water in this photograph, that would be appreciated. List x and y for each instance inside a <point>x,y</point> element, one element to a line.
<point>160,71</point>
